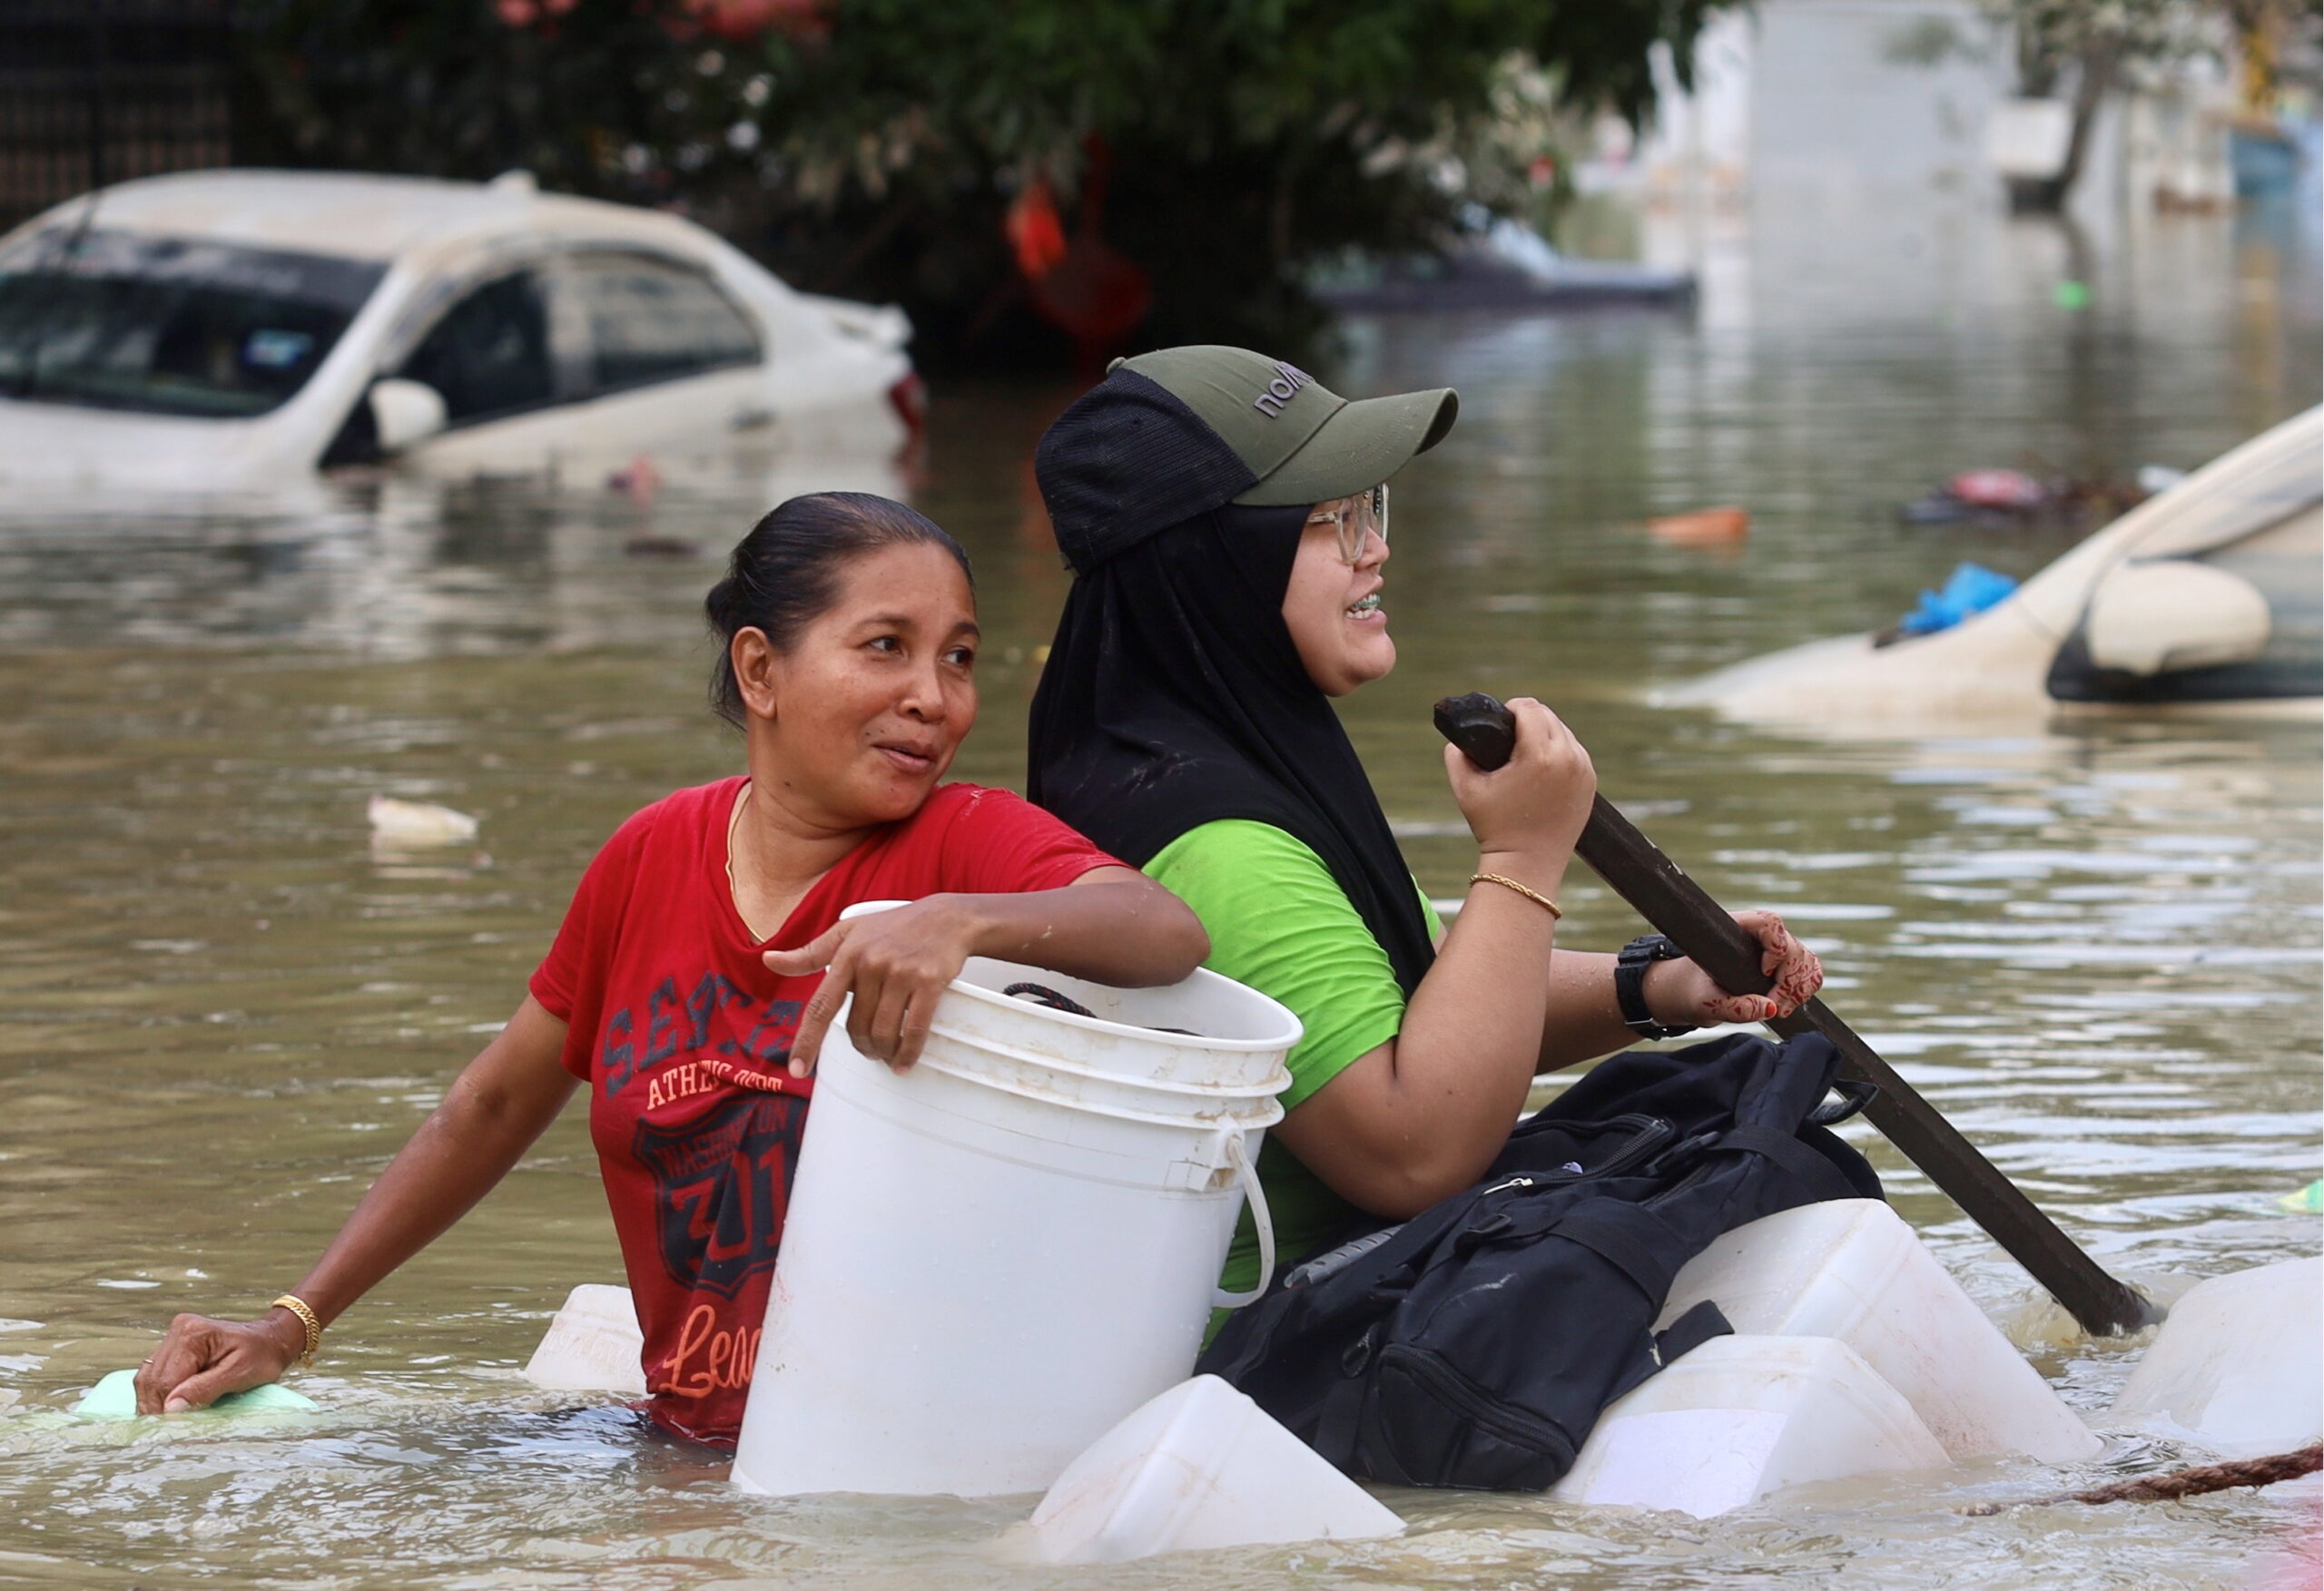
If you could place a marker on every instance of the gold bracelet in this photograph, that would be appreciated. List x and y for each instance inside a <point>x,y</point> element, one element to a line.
<point>1535,896</point>
<point>298,1306</point>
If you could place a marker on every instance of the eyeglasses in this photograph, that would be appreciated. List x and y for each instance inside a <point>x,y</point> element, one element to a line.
<point>1358,518</point>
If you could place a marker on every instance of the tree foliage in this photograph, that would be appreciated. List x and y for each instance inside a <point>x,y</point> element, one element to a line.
<point>876,147</point>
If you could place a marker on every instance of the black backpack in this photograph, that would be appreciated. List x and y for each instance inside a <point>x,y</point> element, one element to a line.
<point>1476,1344</point>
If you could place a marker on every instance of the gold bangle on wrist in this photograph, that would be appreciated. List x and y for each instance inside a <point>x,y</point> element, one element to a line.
<point>307,1317</point>
<point>1535,896</point>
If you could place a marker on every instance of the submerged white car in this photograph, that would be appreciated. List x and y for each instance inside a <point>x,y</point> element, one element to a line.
<point>237,331</point>
<point>2209,596</point>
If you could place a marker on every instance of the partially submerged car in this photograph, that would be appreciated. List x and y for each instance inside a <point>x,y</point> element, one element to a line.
<point>2208,595</point>
<point>237,330</point>
<point>1491,262</point>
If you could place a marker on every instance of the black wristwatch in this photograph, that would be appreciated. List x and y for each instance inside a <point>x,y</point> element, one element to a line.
<point>1629,985</point>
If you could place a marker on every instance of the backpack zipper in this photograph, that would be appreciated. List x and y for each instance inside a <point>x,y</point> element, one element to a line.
<point>1338,1259</point>
<point>1650,1135</point>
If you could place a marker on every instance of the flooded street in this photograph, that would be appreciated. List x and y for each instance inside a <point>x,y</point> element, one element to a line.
<point>2094,946</point>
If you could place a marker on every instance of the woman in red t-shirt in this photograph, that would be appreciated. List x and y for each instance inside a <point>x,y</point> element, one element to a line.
<point>688,989</point>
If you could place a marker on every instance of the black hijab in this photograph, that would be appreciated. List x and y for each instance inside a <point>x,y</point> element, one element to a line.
<point>1174,697</point>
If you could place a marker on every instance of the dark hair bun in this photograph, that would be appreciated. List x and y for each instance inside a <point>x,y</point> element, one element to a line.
<point>784,574</point>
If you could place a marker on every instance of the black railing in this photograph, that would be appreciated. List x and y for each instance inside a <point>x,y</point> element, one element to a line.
<point>94,92</point>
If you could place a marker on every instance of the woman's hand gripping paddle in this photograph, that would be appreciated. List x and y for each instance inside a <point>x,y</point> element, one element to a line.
<point>1676,905</point>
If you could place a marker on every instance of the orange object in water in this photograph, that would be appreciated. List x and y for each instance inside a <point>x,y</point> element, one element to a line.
<point>1081,284</point>
<point>1703,528</point>
<point>1036,231</point>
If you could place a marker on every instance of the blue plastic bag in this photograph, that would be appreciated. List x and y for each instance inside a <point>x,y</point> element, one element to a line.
<point>1971,589</point>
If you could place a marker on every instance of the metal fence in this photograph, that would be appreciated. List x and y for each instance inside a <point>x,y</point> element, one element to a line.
<point>94,92</point>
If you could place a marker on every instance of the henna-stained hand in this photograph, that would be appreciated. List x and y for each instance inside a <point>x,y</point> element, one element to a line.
<point>1681,993</point>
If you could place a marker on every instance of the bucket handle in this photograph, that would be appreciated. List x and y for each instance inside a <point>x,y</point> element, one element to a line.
<point>1239,1158</point>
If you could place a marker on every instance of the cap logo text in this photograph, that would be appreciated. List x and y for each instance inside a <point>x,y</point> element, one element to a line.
<point>1288,380</point>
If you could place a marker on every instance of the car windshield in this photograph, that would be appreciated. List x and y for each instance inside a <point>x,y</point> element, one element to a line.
<point>169,325</point>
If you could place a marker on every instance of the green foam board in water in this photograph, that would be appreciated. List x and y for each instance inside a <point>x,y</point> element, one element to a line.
<point>116,1398</point>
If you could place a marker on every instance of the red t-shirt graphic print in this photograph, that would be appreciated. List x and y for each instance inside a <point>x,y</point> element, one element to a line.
<point>683,1035</point>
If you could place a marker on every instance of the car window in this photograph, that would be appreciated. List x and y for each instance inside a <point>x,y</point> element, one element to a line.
<point>490,355</point>
<point>169,325</point>
<point>652,320</point>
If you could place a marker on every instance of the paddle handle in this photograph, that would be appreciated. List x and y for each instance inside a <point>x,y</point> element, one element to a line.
<point>1658,890</point>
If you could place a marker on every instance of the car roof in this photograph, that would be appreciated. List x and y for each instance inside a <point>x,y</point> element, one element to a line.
<point>365,217</point>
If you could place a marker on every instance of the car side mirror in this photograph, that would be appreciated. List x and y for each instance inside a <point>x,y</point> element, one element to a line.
<point>2172,614</point>
<point>404,412</point>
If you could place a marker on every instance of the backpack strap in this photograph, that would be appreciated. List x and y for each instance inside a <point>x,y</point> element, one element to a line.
<point>1630,1237</point>
<point>1689,1331</point>
<point>1854,1093</point>
<point>1341,1416</point>
<point>1822,1179</point>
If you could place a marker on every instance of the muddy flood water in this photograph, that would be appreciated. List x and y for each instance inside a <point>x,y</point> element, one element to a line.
<point>2094,945</point>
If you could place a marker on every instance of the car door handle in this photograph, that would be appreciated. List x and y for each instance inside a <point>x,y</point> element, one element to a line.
<point>750,420</point>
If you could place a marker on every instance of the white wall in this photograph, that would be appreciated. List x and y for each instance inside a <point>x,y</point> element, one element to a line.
<point>1834,113</point>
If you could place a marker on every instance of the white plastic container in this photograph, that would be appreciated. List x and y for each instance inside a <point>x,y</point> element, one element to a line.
<point>2238,1361</point>
<point>991,1258</point>
<point>1741,1416</point>
<point>1853,1269</point>
<point>2027,139</point>
<point>594,1345</point>
<point>1201,1466</point>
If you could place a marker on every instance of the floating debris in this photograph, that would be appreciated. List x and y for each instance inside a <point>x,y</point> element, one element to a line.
<point>1998,488</point>
<point>1969,591</point>
<point>403,822</point>
<point>2012,497</point>
<point>1704,527</point>
<point>638,480</point>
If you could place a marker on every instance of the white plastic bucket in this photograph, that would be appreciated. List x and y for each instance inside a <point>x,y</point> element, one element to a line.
<point>991,1258</point>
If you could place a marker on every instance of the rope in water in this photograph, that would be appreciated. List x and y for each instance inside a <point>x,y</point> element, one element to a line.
<point>2183,1483</point>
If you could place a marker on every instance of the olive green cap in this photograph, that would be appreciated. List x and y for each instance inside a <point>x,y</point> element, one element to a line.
<point>1304,442</point>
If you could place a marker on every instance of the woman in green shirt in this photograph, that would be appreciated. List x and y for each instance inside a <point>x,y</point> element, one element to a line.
<point>1226,519</point>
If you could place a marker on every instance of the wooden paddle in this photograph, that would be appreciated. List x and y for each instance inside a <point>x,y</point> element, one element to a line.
<point>1633,867</point>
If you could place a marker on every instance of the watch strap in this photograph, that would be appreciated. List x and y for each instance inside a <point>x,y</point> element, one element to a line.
<point>1629,986</point>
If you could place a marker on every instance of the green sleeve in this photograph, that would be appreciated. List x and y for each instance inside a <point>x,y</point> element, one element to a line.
<point>1278,922</point>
